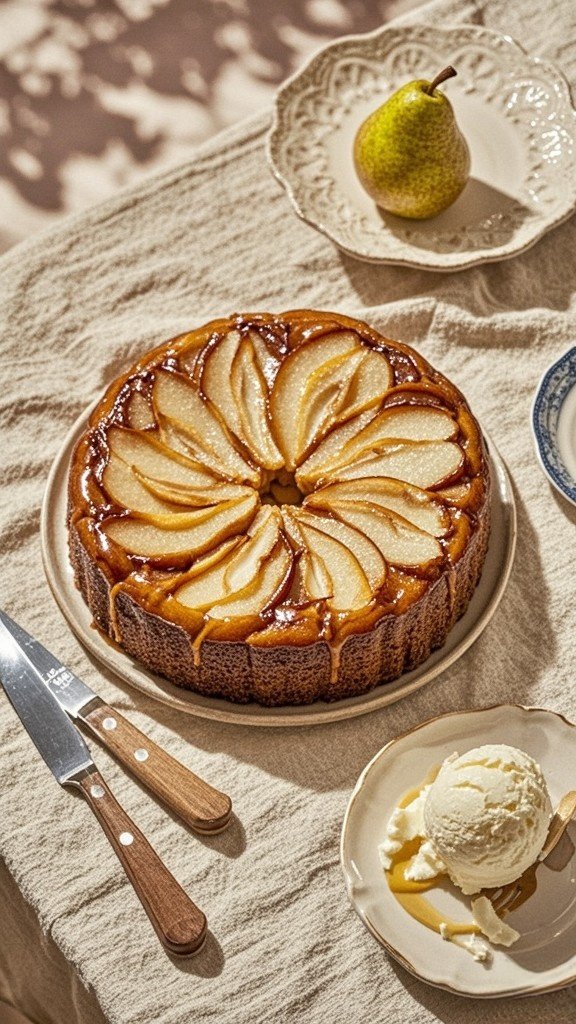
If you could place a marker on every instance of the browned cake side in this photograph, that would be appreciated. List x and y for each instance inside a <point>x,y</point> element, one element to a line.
<point>279,675</point>
<point>320,655</point>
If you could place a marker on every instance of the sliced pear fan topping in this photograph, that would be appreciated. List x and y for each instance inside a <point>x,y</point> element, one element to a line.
<point>235,380</point>
<point>264,589</point>
<point>311,571</point>
<point>328,452</point>
<point>190,533</point>
<point>323,398</point>
<point>210,590</point>
<point>370,383</point>
<point>399,542</point>
<point>368,433</point>
<point>267,360</point>
<point>412,503</point>
<point>192,496</point>
<point>187,470</point>
<point>416,423</point>
<point>320,384</point>
<point>261,538</point>
<point>140,415</point>
<point>205,581</point>
<point>250,393</point>
<point>124,488</point>
<point>423,463</point>
<point>367,554</point>
<point>190,416</point>
<point>331,558</point>
<point>154,460</point>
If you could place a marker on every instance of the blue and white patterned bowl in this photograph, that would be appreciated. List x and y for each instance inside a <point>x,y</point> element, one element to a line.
<point>554,424</point>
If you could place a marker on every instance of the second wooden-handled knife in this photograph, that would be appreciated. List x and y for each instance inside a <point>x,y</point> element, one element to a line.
<point>202,807</point>
<point>179,924</point>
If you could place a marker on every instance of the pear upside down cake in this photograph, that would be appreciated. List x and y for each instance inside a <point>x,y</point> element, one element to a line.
<point>280,509</point>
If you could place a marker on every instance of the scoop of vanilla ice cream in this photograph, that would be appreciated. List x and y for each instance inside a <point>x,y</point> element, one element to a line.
<point>487,815</point>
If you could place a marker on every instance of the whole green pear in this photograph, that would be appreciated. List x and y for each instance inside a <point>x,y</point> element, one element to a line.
<point>410,155</point>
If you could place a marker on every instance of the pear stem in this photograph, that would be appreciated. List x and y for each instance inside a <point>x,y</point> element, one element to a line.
<point>448,72</point>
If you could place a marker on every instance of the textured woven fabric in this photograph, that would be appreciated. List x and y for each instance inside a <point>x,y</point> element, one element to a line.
<point>76,306</point>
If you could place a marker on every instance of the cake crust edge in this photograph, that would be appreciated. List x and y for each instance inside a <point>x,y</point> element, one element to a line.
<point>284,674</point>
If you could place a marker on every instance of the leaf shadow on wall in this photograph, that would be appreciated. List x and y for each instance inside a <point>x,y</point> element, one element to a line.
<point>58,108</point>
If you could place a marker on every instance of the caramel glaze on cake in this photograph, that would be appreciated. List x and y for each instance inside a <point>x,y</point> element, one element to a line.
<point>280,509</point>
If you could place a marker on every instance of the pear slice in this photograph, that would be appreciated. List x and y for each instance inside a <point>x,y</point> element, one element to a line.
<point>288,405</point>
<point>367,554</point>
<point>204,584</point>
<point>124,488</point>
<point>323,399</point>
<point>234,380</point>
<point>216,378</point>
<point>268,360</point>
<point>160,539</point>
<point>262,536</point>
<point>191,496</point>
<point>371,381</point>
<point>459,494</point>
<point>140,414</point>
<point>262,591</point>
<point>399,542</point>
<point>328,452</point>
<point>408,422</point>
<point>405,422</point>
<point>366,434</point>
<point>207,591</point>
<point>176,399</point>
<point>311,571</point>
<point>349,584</point>
<point>412,503</point>
<point>250,393</point>
<point>154,460</point>
<point>422,463</point>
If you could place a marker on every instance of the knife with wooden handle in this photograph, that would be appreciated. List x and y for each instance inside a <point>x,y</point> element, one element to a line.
<point>204,808</point>
<point>179,924</point>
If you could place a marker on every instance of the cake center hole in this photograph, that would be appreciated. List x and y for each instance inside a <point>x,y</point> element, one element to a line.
<point>281,489</point>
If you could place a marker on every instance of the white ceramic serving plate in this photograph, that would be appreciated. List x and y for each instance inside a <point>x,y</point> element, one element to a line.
<point>54,539</point>
<point>514,110</point>
<point>544,958</point>
<point>553,423</point>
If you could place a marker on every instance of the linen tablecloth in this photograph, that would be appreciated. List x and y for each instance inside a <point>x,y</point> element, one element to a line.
<point>77,306</point>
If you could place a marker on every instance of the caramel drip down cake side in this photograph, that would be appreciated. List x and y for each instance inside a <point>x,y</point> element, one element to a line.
<point>280,508</point>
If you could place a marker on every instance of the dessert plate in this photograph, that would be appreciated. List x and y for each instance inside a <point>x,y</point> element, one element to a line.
<point>514,110</point>
<point>544,958</point>
<point>54,539</point>
<point>554,424</point>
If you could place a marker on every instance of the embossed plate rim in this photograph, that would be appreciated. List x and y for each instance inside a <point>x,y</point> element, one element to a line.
<point>544,432</point>
<point>445,262</point>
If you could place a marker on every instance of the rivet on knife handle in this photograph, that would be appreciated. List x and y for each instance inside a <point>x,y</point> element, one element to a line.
<point>179,924</point>
<point>204,808</point>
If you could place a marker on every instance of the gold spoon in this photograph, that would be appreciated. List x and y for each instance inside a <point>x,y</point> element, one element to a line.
<point>559,823</point>
<point>508,897</point>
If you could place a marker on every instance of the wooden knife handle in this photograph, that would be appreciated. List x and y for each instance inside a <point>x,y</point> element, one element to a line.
<point>204,808</point>
<point>179,924</point>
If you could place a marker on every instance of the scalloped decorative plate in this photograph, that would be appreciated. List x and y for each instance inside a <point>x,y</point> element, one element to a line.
<point>544,958</point>
<point>514,110</point>
<point>486,598</point>
<point>554,424</point>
